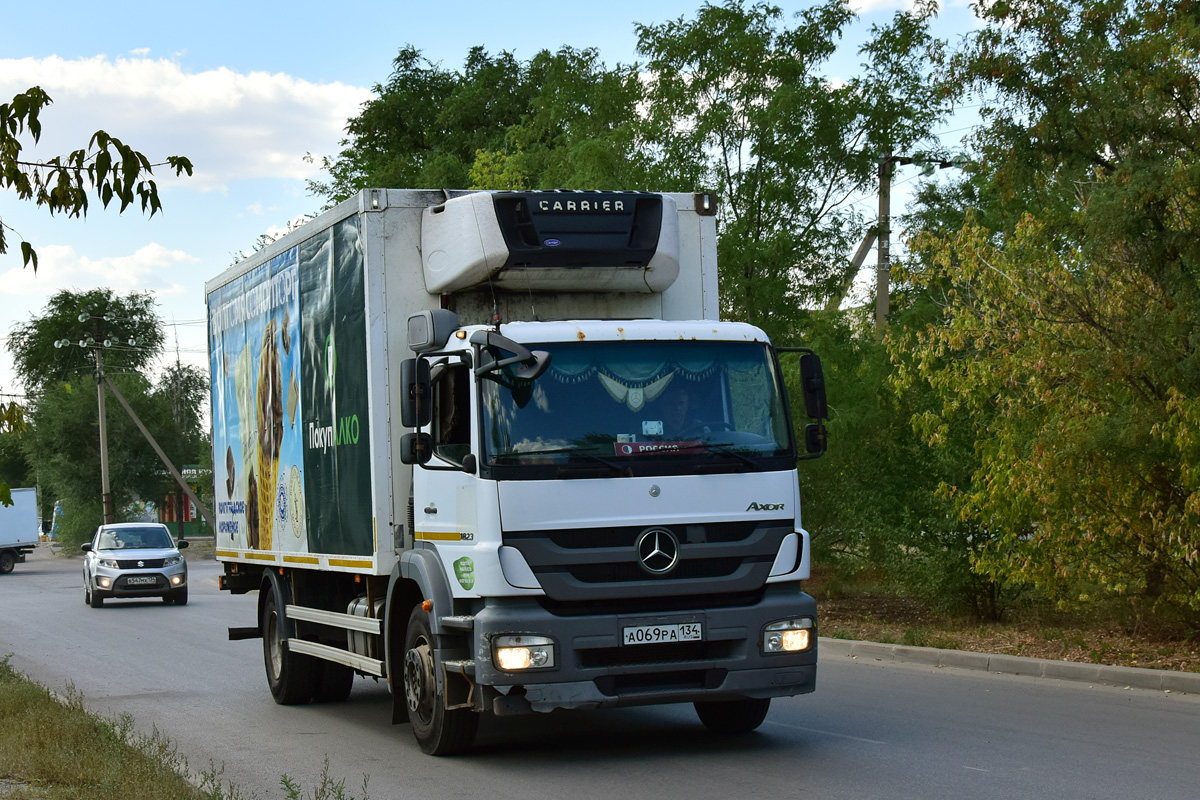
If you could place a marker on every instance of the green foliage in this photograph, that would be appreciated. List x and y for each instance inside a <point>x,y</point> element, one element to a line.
<point>427,123</point>
<point>61,444</point>
<point>107,166</point>
<point>1066,336</point>
<point>106,317</point>
<point>560,119</point>
<point>738,101</point>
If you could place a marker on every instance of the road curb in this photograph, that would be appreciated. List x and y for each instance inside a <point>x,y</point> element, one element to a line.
<point>1129,677</point>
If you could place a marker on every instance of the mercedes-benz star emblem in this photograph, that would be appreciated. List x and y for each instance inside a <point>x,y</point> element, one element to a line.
<point>658,550</point>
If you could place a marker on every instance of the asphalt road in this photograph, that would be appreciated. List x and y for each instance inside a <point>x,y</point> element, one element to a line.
<point>871,730</point>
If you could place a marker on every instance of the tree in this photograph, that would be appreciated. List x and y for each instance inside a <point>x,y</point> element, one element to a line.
<point>738,103</point>
<point>580,129</point>
<point>425,125</point>
<point>560,119</point>
<point>61,444</point>
<point>108,166</point>
<point>126,328</point>
<point>1067,339</point>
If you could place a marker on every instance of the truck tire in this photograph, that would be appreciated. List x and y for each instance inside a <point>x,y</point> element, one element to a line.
<point>335,683</point>
<point>439,731</point>
<point>733,716</point>
<point>7,562</point>
<point>291,676</point>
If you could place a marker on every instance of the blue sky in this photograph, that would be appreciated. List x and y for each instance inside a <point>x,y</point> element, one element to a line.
<point>245,90</point>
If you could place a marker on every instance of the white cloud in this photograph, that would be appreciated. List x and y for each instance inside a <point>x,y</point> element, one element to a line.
<point>231,125</point>
<point>152,268</point>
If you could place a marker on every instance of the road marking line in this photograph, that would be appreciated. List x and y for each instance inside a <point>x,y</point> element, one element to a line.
<point>824,733</point>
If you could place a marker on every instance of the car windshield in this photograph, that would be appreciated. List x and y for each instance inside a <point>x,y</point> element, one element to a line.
<point>134,538</point>
<point>638,407</point>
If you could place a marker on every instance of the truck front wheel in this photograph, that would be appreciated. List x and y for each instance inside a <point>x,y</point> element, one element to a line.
<point>439,731</point>
<point>291,676</point>
<point>733,716</point>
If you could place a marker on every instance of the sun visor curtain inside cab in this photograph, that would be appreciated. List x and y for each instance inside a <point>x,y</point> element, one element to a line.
<point>579,229</point>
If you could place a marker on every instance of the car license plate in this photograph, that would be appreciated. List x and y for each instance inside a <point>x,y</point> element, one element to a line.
<point>141,580</point>
<point>663,634</point>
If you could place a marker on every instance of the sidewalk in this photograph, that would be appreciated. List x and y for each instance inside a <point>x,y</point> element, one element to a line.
<point>1128,677</point>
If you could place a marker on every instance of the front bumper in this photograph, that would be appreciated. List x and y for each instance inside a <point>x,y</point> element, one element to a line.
<point>166,580</point>
<point>594,670</point>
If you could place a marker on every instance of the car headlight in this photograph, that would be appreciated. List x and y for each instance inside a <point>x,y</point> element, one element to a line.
<point>111,563</point>
<point>520,652</point>
<point>788,635</point>
<point>171,561</point>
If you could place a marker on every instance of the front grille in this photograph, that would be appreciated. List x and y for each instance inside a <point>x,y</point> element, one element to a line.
<point>141,563</point>
<point>601,564</point>
<point>649,605</point>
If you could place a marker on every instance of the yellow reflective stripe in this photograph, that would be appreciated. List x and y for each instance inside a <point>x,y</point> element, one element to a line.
<point>301,560</point>
<point>438,536</point>
<point>343,562</point>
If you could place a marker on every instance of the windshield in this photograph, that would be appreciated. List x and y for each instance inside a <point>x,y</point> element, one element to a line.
<point>135,539</point>
<point>638,408</point>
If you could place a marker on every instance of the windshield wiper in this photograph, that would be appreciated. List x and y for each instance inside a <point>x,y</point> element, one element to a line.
<point>725,451</point>
<point>616,468</point>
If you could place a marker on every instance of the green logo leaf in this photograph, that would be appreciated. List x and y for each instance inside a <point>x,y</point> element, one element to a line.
<point>464,570</point>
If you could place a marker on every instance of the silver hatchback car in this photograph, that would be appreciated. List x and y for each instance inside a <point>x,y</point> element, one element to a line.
<point>134,559</point>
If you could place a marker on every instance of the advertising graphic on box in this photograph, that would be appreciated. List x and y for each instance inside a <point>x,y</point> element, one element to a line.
<point>287,344</point>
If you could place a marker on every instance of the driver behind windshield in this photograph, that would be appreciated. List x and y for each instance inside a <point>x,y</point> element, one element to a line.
<point>676,407</point>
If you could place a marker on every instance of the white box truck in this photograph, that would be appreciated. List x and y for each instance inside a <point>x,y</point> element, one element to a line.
<point>497,449</point>
<point>19,529</point>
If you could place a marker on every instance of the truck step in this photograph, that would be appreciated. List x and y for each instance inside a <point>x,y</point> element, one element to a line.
<point>465,623</point>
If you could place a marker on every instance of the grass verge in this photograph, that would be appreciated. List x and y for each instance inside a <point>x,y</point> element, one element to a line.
<point>53,748</point>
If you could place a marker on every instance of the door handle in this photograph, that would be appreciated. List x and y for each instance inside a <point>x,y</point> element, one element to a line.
<point>431,509</point>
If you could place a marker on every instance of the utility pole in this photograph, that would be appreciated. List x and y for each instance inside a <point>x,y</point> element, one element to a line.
<point>883,266</point>
<point>106,490</point>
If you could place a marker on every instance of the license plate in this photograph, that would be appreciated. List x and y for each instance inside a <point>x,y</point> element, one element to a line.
<point>663,634</point>
<point>141,580</point>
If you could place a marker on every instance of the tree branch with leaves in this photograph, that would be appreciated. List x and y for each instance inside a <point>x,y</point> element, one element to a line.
<point>107,166</point>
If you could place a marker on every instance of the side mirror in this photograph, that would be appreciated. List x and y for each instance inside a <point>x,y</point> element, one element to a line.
<point>416,448</point>
<point>428,331</point>
<point>182,544</point>
<point>812,385</point>
<point>531,364</point>
<point>814,438</point>
<point>86,547</point>
<point>416,399</point>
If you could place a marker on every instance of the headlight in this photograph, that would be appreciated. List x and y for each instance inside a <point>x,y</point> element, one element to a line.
<point>111,563</point>
<point>171,561</point>
<point>520,652</point>
<point>788,636</point>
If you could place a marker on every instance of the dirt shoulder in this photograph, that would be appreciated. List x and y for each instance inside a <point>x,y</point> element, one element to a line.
<point>878,617</point>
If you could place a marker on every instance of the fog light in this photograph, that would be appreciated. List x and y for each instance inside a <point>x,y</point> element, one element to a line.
<point>176,580</point>
<point>788,636</point>
<point>518,652</point>
<point>105,582</point>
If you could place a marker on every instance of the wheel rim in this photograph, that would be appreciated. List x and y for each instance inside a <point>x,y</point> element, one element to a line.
<point>274,646</point>
<point>418,681</point>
